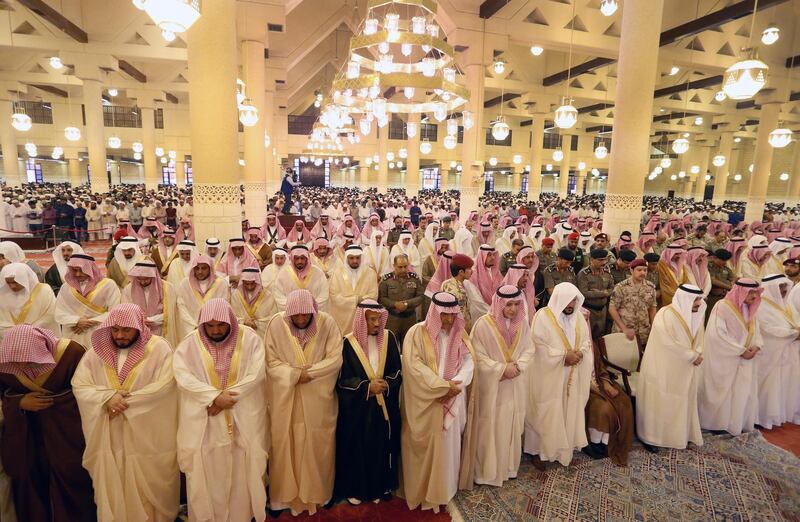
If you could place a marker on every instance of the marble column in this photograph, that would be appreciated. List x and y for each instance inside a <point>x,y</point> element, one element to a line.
<point>762,163</point>
<point>254,179</point>
<point>723,172</point>
<point>8,142</point>
<point>180,170</point>
<point>76,177</point>
<point>272,167</point>
<point>580,187</point>
<point>633,114</point>
<point>563,173</point>
<point>383,164</point>
<point>536,157</point>
<point>95,134</point>
<point>471,183</point>
<point>703,161</point>
<point>444,178</point>
<point>363,176</point>
<point>215,147</point>
<point>152,176</point>
<point>794,177</point>
<point>413,173</point>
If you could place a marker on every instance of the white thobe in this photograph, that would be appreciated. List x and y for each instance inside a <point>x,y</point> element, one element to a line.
<point>777,366</point>
<point>315,282</point>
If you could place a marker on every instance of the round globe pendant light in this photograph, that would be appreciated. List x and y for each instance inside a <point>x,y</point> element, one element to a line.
<point>425,147</point>
<point>600,152</point>
<point>72,133</point>
<point>680,146</point>
<point>666,163</point>
<point>114,142</point>
<point>718,161</point>
<point>566,116</point>
<point>745,78</point>
<point>558,155</point>
<point>21,121</point>
<point>780,138</point>
<point>500,129</point>
<point>248,113</point>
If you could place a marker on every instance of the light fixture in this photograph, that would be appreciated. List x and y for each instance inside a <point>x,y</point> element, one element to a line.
<point>390,156</point>
<point>698,120</point>
<point>595,172</point>
<point>720,96</point>
<point>346,160</point>
<point>493,161</point>
<point>409,92</point>
<point>674,70</point>
<point>680,146</point>
<point>673,177</point>
<point>173,16</point>
<point>365,126</point>
<point>750,168</point>
<point>72,133</point>
<point>159,151</point>
<point>784,176</point>
<point>172,155</point>
<point>718,161</point>
<point>581,165</point>
<point>112,92</point>
<point>600,152</point>
<point>402,153</point>
<point>770,35</point>
<point>499,67</point>
<point>453,164</point>
<point>566,116</point>
<point>695,169</point>
<point>137,156</point>
<point>459,168</point>
<point>558,155</point>
<point>658,170</point>
<point>468,119</point>
<point>450,142</point>
<point>708,177</point>
<point>608,7</point>
<point>57,153</point>
<point>370,26</point>
<point>163,160</point>
<point>737,177</point>
<point>137,146</point>
<point>682,174</point>
<point>21,121</point>
<point>745,78</point>
<point>666,163</point>
<point>353,70</point>
<point>737,139</point>
<point>686,134</point>
<point>248,113</point>
<point>779,138</point>
<point>537,50</point>
<point>411,129</point>
<point>548,167</point>
<point>500,129</point>
<point>241,162</point>
<point>376,158</point>
<point>368,161</point>
<point>56,63</point>
<point>30,146</point>
<point>114,142</point>
<point>267,140</point>
<point>391,164</point>
<point>517,159</point>
<point>425,147</point>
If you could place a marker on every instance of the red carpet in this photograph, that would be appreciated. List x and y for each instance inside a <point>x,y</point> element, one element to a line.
<point>786,437</point>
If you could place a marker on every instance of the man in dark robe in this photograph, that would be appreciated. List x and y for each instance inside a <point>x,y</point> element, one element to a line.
<point>368,431</point>
<point>42,446</point>
<point>609,417</point>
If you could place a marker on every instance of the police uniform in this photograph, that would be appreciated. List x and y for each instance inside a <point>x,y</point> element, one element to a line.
<point>579,262</point>
<point>393,237</point>
<point>718,274</point>
<point>448,233</point>
<point>392,290</point>
<point>547,259</point>
<point>507,259</point>
<point>553,276</point>
<point>596,289</point>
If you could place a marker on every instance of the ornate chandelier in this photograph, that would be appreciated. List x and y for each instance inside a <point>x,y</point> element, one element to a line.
<point>21,121</point>
<point>780,138</point>
<point>171,16</point>
<point>745,78</point>
<point>680,146</point>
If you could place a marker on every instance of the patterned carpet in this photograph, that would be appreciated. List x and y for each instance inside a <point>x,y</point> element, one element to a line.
<point>745,478</point>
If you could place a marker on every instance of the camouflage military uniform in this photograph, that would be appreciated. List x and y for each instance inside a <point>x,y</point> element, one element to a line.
<point>717,293</point>
<point>393,290</point>
<point>458,290</point>
<point>633,302</point>
<point>596,289</point>
<point>418,235</point>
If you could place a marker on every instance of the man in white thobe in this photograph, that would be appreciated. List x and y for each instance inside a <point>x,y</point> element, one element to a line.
<point>560,378</point>
<point>222,427</point>
<point>126,392</point>
<point>666,398</point>
<point>504,348</point>
<point>24,300</point>
<point>200,285</point>
<point>301,275</point>
<point>350,283</point>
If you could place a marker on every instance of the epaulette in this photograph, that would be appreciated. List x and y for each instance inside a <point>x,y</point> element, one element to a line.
<point>387,276</point>
<point>413,275</point>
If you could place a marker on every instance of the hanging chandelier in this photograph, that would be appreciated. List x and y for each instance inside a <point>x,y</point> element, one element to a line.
<point>20,120</point>
<point>500,129</point>
<point>745,78</point>
<point>393,61</point>
<point>608,7</point>
<point>780,138</point>
<point>57,153</point>
<point>718,161</point>
<point>137,146</point>
<point>72,133</point>
<point>558,155</point>
<point>770,35</point>
<point>171,16</point>
<point>666,163</point>
<point>425,147</point>
<point>248,113</point>
<point>114,142</point>
<point>601,152</point>
<point>680,146</point>
<point>566,116</point>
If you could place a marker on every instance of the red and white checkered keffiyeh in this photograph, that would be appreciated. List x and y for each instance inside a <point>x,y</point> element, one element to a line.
<point>89,267</point>
<point>372,224</point>
<point>144,233</point>
<point>273,232</point>
<point>28,350</point>
<point>301,302</point>
<point>504,295</point>
<point>185,232</point>
<point>441,275</point>
<point>255,231</point>
<point>155,305</point>
<point>447,303</point>
<point>360,323</point>
<point>697,263</point>
<point>247,260</point>
<point>514,274</point>
<point>321,241</point>
<point>669,255</point>
<point>254,275</point>
<point>487,279</point>
<point>219,309</point>
<point>212,276</point>
<point>300,251</point>
<point>127,315</point>
<point>294,234</point>
<point>348,225</point>
<point>523,253</point>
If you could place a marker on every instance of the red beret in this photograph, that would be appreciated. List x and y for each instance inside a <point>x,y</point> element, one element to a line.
<point>636,263</point>
<point>548,241</point>
<point>462,261</point>
<point>574,235</point>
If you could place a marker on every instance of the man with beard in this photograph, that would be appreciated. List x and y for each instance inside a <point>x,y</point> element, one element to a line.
<point>401,292</point>
<point>666,396</point>
<point>323,228</point>
<point>256,245</point>
<point>156,298</point>
<point>791,267</point>
<point>671,271</point>
<point>438,406</point>
<point>236,259</point>
<point>125,389</point>
<point>272,231</point>
<point>350,284</point>
<point>486,280</point>
<point>304,355</point>
<point>560,378</point>
<point>200,285</point>
<point>368,432</point>
<point>270,274</point>
<point>61,254</point>
<point>126,255</point>
<point>83,303</point>
<point>301,275</point>
<point>179,268</point>
<point>222,425</point>
<point>165,253</point>
<point>253,306</point>
<point>42,444</point>
<point>322,257</point>
<point>504,348</point>
<point>728,394</point>
<point>596,284</point>
<point>24,300</point>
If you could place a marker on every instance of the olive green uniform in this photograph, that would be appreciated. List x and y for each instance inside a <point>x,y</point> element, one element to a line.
<point>596,289</point>
<point>392,290</point>
<point>719,277</point>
